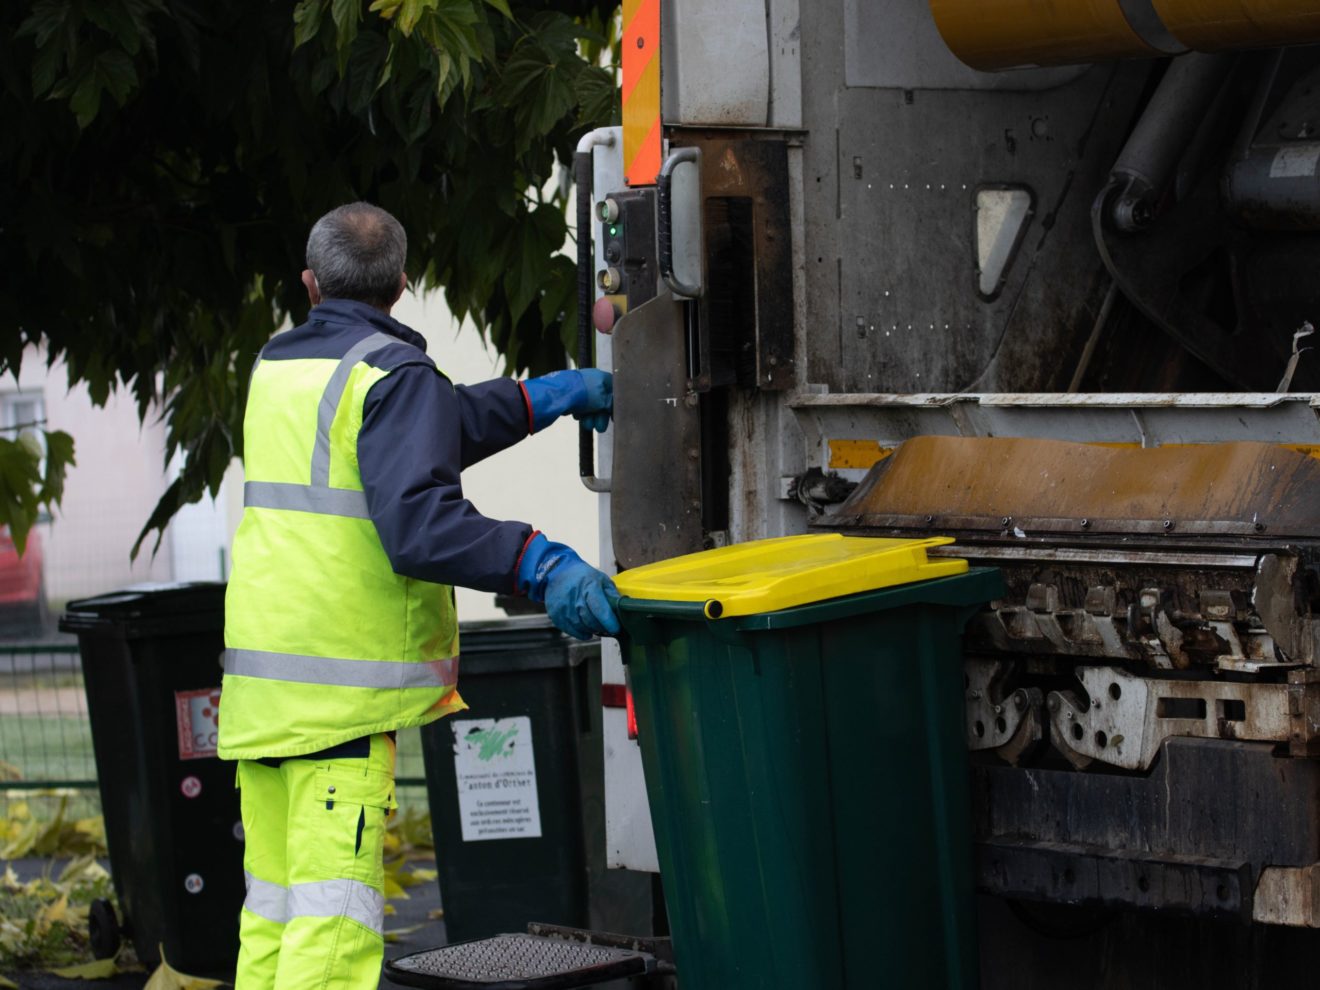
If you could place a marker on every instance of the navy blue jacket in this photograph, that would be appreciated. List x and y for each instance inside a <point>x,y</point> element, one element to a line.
<point>419,431</point>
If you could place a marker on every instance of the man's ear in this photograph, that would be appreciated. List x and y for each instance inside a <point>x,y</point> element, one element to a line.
<point>403,284</point>
<point>313,290</point>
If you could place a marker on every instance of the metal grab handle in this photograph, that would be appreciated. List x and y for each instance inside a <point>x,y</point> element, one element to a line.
<point>582,168</point>
<point>665,221</point>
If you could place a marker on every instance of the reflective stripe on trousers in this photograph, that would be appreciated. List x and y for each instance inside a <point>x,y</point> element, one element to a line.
<point>319,899</point>
<point>314,914</point>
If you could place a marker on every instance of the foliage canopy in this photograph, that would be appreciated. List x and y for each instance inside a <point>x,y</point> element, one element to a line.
<point>164,159</point>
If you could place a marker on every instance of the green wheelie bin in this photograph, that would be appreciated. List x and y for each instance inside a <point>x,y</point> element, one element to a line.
<point>801,721</point>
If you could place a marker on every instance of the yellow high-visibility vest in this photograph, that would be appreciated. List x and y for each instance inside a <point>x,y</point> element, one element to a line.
<point>324,642</point>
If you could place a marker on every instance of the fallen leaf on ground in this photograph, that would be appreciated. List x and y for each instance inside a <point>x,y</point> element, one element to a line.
<point>100,969</point>
<point>394,934</point>
<point>394,889</point>
<point>166,977</point>
<point>435,914</point>
<point>425,876</point>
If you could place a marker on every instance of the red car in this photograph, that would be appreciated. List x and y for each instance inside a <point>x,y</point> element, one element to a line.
<point>22,585</point>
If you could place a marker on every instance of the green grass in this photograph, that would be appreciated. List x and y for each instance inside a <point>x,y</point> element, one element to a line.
<point>48,748</point>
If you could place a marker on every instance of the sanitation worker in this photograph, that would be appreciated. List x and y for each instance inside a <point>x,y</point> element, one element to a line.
<point>339,618</point>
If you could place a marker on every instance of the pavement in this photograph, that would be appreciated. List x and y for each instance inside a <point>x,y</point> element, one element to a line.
<point>414,911</point>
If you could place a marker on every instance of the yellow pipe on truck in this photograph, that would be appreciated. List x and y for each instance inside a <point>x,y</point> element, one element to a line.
<point>991,35</point>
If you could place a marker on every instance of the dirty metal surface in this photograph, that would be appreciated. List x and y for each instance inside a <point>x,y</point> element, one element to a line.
<point>1176,610</point>
<point>1123,720</point>
<point>1215,799</point>
<point>1288,895</point>
<point>1064,873</point>
<point>747,312</point>
<point>1022,486</point>
<point>890,182</point>
<point>656,485</point>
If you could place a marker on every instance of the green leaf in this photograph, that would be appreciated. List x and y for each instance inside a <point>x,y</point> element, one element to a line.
<point>59,458</point>
<point>307,17</point>
<point>538,80</point>
<point>364,69</point>
<point>502,6</point>
<point>597,97</point>
<point>410,14</point>
<point>45,69</point>
<point>117,74</point>
<point>346,13</point>
<point>47,17</point>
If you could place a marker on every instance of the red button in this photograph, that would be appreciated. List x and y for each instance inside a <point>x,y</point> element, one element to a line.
<point>604,314</point>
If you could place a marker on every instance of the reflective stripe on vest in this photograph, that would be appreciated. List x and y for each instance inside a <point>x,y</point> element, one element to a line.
<point>342,673</point>
<point>319,899</point>
<point>306,498</point>
<point>319,497</point>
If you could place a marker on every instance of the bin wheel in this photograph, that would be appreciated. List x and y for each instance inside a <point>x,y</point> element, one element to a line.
<point>103,929</point>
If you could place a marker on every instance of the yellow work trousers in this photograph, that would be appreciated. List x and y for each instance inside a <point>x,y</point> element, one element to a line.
<point>314,834</point>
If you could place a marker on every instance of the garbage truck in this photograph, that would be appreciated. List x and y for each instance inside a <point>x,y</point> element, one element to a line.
<point>1041,277</point>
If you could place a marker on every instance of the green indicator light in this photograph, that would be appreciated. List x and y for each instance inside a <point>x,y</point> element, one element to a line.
<point>614,231</point>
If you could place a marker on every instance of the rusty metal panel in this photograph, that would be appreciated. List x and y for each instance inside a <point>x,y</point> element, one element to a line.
<point>655,500</point>
<point>1022,486</point>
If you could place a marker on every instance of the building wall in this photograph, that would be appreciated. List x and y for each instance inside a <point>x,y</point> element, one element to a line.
<point>109,492</point>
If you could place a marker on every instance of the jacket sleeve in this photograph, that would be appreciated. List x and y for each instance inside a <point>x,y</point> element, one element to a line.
<point>410,454</point>
<point>494,415</point>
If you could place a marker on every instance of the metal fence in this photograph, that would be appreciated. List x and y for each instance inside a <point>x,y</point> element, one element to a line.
<point>46,741</point>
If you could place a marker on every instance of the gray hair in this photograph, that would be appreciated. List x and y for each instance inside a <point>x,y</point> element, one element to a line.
<point>357,251</point>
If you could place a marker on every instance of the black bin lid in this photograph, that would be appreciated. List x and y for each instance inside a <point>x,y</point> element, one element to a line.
<point>494,646</point>
<point>150,608</point>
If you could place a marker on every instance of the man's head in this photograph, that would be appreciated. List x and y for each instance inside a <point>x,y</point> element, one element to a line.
<point>356,251</point>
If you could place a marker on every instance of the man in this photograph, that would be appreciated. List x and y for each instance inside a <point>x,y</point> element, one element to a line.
<point>339,618</point>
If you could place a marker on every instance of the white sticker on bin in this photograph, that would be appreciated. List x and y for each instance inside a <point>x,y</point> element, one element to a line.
<point>496,772</point>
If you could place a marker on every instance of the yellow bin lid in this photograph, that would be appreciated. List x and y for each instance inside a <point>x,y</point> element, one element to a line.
<point>768,575</point>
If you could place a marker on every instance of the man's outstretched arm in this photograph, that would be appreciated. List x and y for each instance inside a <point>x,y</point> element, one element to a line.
<point>410,465</point>
<point>497,414</point>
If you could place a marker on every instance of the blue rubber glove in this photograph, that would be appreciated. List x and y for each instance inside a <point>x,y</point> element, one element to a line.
<point>587,393</point>
<point>580,600</point>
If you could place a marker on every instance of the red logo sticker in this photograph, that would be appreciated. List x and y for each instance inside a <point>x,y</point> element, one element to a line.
<point>191,787</point>
<point>198,716</point>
